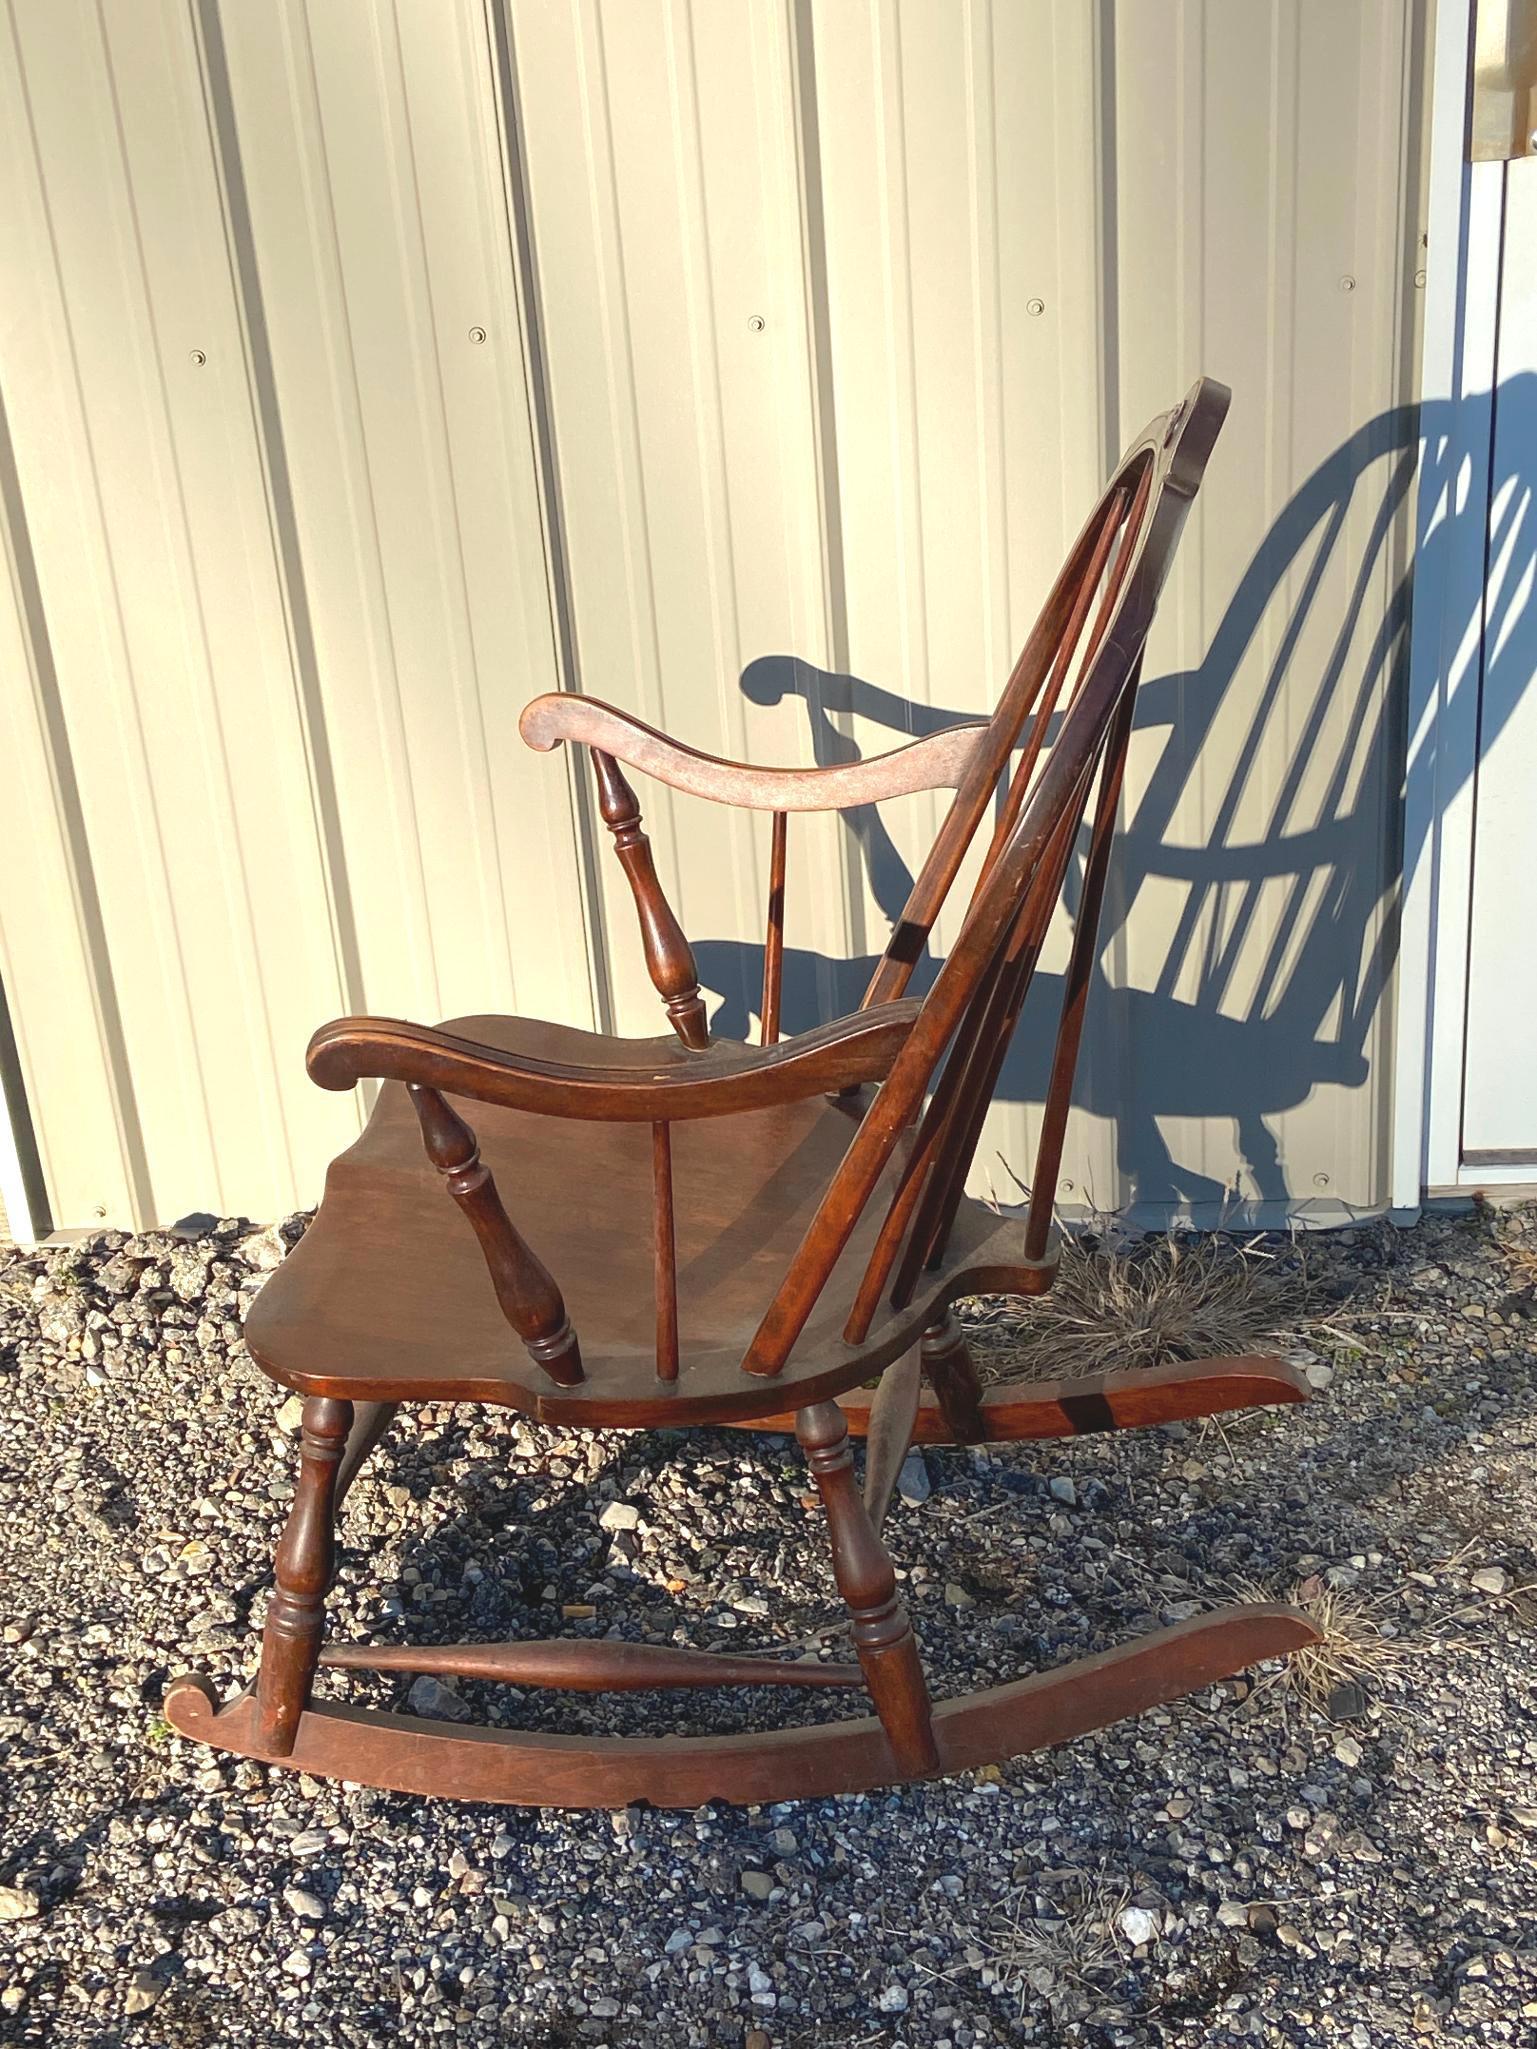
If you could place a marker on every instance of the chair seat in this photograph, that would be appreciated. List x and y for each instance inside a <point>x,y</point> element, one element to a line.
<point>387,1296</point>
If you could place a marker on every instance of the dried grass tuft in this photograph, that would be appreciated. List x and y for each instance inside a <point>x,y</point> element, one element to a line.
<point>1082,1948</point>
<point>1145,1303</point>
<point>1352,1651</point>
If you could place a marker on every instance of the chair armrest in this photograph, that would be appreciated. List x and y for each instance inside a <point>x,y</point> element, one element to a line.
<point>936,762</point>
<point>725,1078</point>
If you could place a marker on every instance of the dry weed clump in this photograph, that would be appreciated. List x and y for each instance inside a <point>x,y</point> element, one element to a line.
<point>1119,1305</point>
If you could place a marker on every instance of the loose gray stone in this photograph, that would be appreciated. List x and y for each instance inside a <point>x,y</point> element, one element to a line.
<point>437,1700</point>
<point>913,1482</point>
<point>1138,1925</point>
<point>144,1989</point>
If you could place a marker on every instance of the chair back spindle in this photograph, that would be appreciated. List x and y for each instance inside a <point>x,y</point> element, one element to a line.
<point>665,1246</point>
<point>774,935</point>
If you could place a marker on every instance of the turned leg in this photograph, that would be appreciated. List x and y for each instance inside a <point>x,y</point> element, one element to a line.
<point>305,1558</point>
<point>883,1636</point>
<point>370,1420</point>
<point>948,1368</point>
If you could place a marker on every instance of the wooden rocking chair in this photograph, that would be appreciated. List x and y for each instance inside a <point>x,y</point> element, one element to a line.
<point>742,1235</point>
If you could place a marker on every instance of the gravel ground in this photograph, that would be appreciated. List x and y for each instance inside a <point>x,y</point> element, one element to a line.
<point>1243,1868</point>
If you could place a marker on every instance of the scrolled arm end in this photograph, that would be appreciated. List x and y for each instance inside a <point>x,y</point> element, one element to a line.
<point>541,723</point>
<point>354,1049</point>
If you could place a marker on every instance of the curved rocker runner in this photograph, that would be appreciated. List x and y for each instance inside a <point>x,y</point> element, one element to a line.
<point>770,1237</point>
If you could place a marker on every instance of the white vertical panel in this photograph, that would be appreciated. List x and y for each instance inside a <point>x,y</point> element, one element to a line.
<point>836,315</point>
<point>160,641</point>
<point>664,209</point>
<point>367,147</point>
<point>1264,236</point>
<point>1499,1108</point>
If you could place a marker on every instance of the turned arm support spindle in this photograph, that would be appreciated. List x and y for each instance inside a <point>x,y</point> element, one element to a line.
<point>529,1298</point>
<point>669,959</point>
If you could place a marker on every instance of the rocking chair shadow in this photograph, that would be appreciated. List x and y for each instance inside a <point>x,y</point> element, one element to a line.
<point>770,1237</point>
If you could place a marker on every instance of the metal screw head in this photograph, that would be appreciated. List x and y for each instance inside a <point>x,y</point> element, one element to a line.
<point>756,323</point>
<point>1419,281</point>
<point>1067,1187</point>
<point>1320,1180</point>
<point>1347,283</point>
<point>477,335</point>
<point>197,359</point>
<point>1035,308</point>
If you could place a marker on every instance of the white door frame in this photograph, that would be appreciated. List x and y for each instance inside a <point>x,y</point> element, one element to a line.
<point>1466,214</point>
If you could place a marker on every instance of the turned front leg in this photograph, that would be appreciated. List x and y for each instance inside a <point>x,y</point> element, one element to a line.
<point>306,1557</point>
<point>883,1635</point>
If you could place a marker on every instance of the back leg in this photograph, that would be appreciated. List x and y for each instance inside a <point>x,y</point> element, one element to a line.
<point>949,1369</point>
<point>370,1421</point>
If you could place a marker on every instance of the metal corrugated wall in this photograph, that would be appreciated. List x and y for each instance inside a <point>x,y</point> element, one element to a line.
<point>368,368</point>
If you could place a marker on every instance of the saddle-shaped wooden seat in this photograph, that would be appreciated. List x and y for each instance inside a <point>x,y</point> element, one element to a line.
<point>385,1298</point>
<point>632,1233</point>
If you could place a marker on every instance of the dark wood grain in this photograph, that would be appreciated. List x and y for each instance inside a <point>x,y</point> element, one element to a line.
<point>1021,1410</point>
<point>410,1755</point>
<point>883,1636</point>
<point>665,1253</point>
<point>1080,973</point>
<point>557,1071</point>
<point>584,1667</point>
<point>893,1411</point>
<point>774,934</point>
<point>948,1368</point>
<point>935,762</point>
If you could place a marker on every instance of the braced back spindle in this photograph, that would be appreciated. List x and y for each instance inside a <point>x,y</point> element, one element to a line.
<point>1122,557</point>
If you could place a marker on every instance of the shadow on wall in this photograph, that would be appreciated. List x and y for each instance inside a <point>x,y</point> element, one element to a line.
<point>1330,844</point>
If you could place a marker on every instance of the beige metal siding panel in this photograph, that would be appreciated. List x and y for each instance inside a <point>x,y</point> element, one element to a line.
<point>137,472</point>
<point>1261,237</point>
<point>367,145</point>
<point>664,213</point>
<point>835,316</point>
<point>964,307</point>
<point>49,937</point>
<point>1082,216</point>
